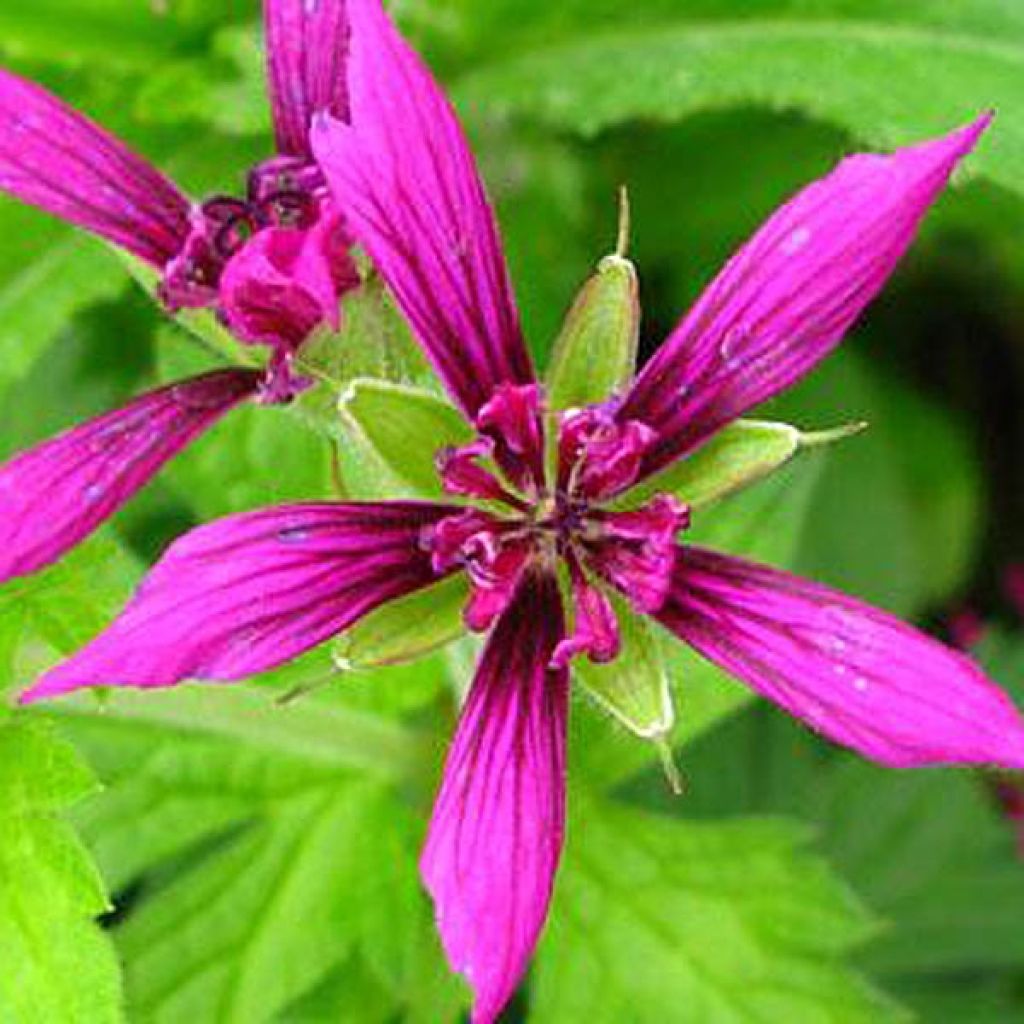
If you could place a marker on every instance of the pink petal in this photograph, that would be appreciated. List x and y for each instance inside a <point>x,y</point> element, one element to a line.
<point>250,592</point>
<point>54,158</point>
<point>498,826</point>
<point>284,283</point>
<point>406,179</point>
<point>56,494</point>
<point>595,627</point>
<point>307,56</point>
<point>854,673</point>
<point>786,299</point>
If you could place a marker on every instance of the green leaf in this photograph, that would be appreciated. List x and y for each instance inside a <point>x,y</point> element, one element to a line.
<point>404,428</point>
<point>923,477</point>
<point>733,922</point>
<point>406,629</point>
<point>57,966</point>
<point>635,687</point>
<point>47,275</point>
<point>277,848</point>
<point>104,31</point>
<point>926,850</point>
<point>595,355</point>
<point>48,615</point>
<point>940,77</point>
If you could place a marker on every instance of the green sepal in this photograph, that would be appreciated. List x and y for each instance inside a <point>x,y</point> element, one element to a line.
<point>405,428</point>
<point>406,629</point>
<point>739,455</point>
<point>595,355</point>
<point>635,687</point>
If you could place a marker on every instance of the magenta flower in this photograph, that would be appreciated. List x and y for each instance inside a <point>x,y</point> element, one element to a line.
<point>546,532</point>
<point>273,264</point>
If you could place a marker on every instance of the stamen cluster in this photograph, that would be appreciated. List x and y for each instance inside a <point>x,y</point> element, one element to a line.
<point>541,506</point>
<point>283,192</point>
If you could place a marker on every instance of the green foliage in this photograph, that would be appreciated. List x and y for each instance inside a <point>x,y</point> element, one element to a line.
<point>275,848</point>
<point>723,922</point>
<point>933,78</point>
<point>57,967</point>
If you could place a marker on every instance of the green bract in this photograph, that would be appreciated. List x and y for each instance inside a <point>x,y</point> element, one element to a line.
<point>406,629</point>
<point>595,354</point>
<point>635,687</point>
<point>739,455</point>
<point>405,428</point>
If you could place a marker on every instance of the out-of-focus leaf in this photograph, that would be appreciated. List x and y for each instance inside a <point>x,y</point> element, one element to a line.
<point>57,966</point>
<point>828,69</point>
<point>106,31</point>
<point>47,275</point>
<point>927,851</point>
<point>720,922</point>
<point>914,478</point>
<point>48,615</point>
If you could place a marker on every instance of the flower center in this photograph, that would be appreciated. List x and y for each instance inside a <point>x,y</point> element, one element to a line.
<point>551,511</point>
<point>283,192</point>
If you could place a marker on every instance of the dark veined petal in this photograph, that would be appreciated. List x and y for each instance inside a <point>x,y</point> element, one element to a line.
<point>498,826</point>
<point>56,494</point>
<point>250,592</point>
<point>786,299</point>
<point>405,178</point>
<point>55,158</point>
<point>307,56</point>
<point>858,675</point>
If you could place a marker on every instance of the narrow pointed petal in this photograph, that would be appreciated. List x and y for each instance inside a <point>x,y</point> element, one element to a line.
<point>405,177</point>
<point>54,495</point>
<point>858,675</point>
<point>54,158</point>
<point>497,831</point>
<point>786,299</point>
<point>250,592</point>
<point>307,57</point>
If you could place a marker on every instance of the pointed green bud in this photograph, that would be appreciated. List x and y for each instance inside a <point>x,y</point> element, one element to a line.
<point>634,687</point>
<point>404,428</point>
<point>406,629</point>
<point>595,355</point>
<point>737,456</point>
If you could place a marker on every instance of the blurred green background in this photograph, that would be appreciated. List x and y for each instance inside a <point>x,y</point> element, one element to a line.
<point>264,866</point>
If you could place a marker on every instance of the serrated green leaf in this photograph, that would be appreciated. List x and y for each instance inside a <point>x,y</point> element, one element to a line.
<point>57,966</point>
<point>595,355</point>
<point>404,428</point>
<point>926,850</point>
<point>279,839</point>
<point>406,629</point>
<point>940,77</point>
<point>733,922</point>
